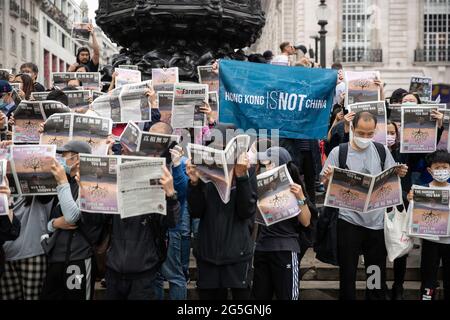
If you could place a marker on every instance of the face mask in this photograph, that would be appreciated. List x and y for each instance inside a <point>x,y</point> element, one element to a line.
<point>3,103</point>
<point>441,175</point>
<point>67,168</point>
<point>362,143</point>
<point>409,103</point>
<point>391,139</point>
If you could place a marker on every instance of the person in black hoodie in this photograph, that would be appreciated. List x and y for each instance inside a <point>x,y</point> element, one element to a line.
<point>225,246</point>
<point>277,253</point>
<point>70,249</point>
<point>9,228</point>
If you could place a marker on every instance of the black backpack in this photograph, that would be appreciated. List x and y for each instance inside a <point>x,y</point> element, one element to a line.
<point>325,244</point>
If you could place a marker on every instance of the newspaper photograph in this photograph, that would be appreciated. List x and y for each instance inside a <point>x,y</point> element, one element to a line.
<point>430,212</point>
<point>127,76</point>
<point>423,86</point>
<point>89,80</point>
<point>78,100</point>
<point>214,104</point>
<point>207,76</point>
<point>16,97</point>
<point>134,104</point>
<point>361,87</point>
<point>95,94</point>
<point>165,103</point>
<point>80,31</point>
<point>49,108</point>
<point>378,109</point>
<point>164,79</point>
<point>92,130</point>
<point>3,164</point>
<point>114,105</point>
<point>4,205</point>
<point>419,130</point>
<point>386,191</point>
<point>276,202</point>
<point>5,154</point>
<point>98,184</point>
<point>27,118</point>
<point>130,137</point>
<point>139,188</point>
<point>57,130</point>
<point>31,166</point>
<point>444,142</point>
<point>187,101</point>
<point>155,144</point>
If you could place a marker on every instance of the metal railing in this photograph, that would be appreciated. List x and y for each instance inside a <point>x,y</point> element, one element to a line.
<point>358,55</point>
<point>14,8</point>
<point>432,55</point>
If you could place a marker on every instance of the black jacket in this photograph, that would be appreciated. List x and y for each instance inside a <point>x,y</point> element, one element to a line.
<point>224,234</point>
<point>134,249</point>
<point>9,231</point>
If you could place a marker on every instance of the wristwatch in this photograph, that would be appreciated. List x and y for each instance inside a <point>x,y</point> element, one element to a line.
<point>301,203</point>
<point>173,197</point>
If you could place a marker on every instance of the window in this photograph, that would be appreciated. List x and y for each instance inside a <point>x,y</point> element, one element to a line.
<point>436,30</point>
<point>33,52</point>
<point>13,41</point>
<point>355,30</point>
<point>24,47</point>
<point>1,34</point>
<point>63,40</point>
<point>49,29</point>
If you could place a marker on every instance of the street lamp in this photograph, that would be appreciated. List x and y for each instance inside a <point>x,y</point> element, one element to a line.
<point>323,13</point>
<point>316,38</point>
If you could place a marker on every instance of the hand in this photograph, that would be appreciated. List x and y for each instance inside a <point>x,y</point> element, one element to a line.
<point>110,143</point>
<point>402,171</point>
<point>5,189</point>
<point>439,117</point>
<point>340,116</point>
<point>5,144</point>
<point>176,153</point>
<point>327,175</point>
<point>297,191</point>
<point>90,28</point>
<point>167,182</point>
<point>411,196</point>
<point>380,84</point>
<point>73,67</point>
<point>3,119</point>
<point>60,223</point>
<point>11,121</point>
<point>348,119</point>
<point>241,167</point>
<point>58,172</point>
<point>192,172</point>
<point>41,128</point>
<point>21,94</point>
<point>114,75</point>
<point>206,109</point>
<point>342,98</point>
<point>90,100</point>
<point>215,67</point>
<point>151,94</point>
<point>340,76</point>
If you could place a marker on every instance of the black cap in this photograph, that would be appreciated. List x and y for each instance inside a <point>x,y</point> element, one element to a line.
<point>302,48</point>
<point>280,156</point>
<point>268,55</point>
<point>76,147</point>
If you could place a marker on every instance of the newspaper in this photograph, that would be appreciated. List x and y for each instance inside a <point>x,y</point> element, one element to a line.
<point>217,166</point>
<point>444,142</point>
<point>127,76</point>
<point>89,80</point>
<point>78,99</point>
<point>361,87</point>
<point>165,103</point>
<point>31,167</point>
<point>146,144</point>
<point>127,66</point>
<point>49,108</point>
<point>40,96</point>
<point>187,101</point>
<point>95,94</point>
<point>378,109</point>
<point>28,117</point>
<point>139,189</point>
<point>16,97</point>
<point>206,75</point>
<point>276,202</point>
<point>99,189</point>
<point>419,130</point>
<point>4,203</point>
<point>62,128</point>
<point>423,86</point>
<point>396,114</point>
<point>5,154</point>
<point>362,192</point>
<point>80,31</point>
<point>430,212</point>
<point>127,103</point>
<point>164,79</point>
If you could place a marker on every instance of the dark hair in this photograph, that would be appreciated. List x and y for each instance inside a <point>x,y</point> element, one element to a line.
<point>27,85</point>
<point>80,50</point>
<point>413,94</point>
<point>81,66</point>
<point>75,79</point>
<point>284,45</point>
<point>337,66</point>
<point>268,54</point>
<point>30,65</point>
<point>4,75</point>
<point>257,58</point>
<point>397,96</point>
<point>365,116</point>
<point>439,156</point>
<point>294,172</point>
<point>58,95</point>
<point>397,134</point>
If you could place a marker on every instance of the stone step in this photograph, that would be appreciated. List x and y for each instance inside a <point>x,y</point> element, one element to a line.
<point>309,290</point>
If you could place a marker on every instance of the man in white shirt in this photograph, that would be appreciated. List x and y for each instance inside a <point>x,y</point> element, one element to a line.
<point>287,49</point>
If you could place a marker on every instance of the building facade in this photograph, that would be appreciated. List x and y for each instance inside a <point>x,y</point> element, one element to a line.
<point>398,37</point>
<point>19,32</point>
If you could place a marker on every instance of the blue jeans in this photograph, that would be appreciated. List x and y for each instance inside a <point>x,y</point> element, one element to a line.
<point>172,271</point>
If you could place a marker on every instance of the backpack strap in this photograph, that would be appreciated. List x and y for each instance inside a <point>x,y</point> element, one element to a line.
<point>382,153</point>
<point>343,152</point>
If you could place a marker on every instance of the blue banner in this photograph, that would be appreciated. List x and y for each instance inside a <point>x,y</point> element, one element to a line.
<point>295,100</point>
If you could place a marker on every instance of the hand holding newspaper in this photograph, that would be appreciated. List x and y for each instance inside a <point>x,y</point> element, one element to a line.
<point>4,207</point>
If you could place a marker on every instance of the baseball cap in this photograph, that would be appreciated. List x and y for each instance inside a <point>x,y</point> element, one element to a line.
<point>278,155</point>
<point>302,48</point>
<point>76,147</point>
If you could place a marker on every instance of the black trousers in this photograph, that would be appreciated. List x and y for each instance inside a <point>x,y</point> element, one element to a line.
<point>399,271</point>
<point>432,254</point>
<point>352,240</point>
<point>119,287</point>
<point>276,273</point>
<point>72,281</point>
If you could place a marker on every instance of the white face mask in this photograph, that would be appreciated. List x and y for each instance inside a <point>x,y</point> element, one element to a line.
<point>441,175</point>
<point>409,103</point>
<point>362,143</point>
<point>391,139</point>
